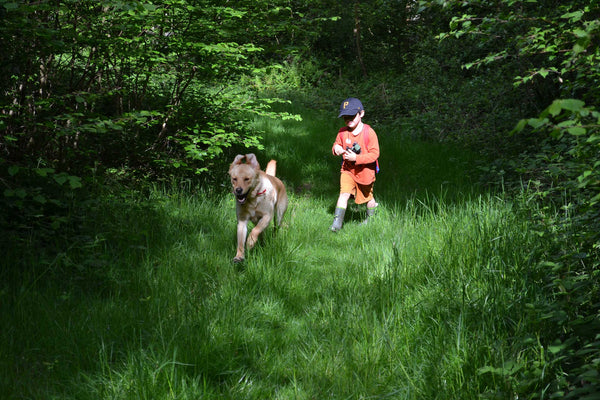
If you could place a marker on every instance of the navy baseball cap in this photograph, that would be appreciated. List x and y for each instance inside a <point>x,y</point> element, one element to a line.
<point>350,106</point>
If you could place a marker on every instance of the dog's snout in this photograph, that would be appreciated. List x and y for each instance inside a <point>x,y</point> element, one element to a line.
<point>238,190</point>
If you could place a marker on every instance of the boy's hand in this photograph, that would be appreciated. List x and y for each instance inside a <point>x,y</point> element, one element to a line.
<point>349,155</point>
<point>339,150</point>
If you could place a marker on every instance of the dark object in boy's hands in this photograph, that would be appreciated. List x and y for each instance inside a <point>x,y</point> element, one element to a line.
<point>355,148</point>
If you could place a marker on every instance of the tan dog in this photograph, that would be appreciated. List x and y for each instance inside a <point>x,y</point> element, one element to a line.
<point>260,196</point>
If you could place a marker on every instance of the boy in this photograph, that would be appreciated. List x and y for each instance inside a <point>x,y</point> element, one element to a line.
<point>357,143</point>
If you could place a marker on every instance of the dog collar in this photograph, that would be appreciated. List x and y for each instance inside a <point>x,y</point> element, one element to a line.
<point>261,193</point>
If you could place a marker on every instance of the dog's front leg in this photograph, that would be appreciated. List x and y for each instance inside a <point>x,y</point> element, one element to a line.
<point>257,230</point>
<point>242,231</point>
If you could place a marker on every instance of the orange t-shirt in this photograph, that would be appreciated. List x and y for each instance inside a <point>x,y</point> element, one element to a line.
<point>363,169</point>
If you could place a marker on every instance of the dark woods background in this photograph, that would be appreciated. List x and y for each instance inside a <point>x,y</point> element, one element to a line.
<point>156,89</point>
<point>114,95</point>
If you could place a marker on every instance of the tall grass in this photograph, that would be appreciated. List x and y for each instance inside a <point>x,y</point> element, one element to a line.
<point>145,302</point>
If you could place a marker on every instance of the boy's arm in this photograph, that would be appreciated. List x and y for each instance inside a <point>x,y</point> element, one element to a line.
<point>338,148</point>
<point>372,149</point>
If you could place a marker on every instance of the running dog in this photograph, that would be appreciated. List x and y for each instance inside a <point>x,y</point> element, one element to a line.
<point>260,196</point>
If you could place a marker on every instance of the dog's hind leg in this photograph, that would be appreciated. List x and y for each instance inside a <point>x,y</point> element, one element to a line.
<point>280,208</point>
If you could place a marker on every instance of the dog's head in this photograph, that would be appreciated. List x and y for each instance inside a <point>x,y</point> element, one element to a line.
<point>244,175</point>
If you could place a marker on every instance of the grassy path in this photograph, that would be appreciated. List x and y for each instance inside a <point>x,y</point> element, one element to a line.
<point>147,304</point>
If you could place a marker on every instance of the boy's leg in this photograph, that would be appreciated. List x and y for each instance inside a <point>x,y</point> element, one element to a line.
<point>371,209</point>
<point>340,211</point>
<point>343,200</point>
<point>347,189</point>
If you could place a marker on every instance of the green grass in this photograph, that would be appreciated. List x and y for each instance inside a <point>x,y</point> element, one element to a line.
<point>145,302</point>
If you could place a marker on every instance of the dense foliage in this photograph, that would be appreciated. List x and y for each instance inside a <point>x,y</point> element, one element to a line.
<point>141,91</point>
<point>552,51</point>
<point>95,90</point>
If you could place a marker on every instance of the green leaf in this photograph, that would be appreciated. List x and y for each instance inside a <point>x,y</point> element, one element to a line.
<point>40,199</point>
<point>566,123</point>
<point>573,16</point>
<point>578,48</point>
<point>537,122</point>
<point>20,193</point>
<point>556,348</point>
<point>577,130</point>
<point>13,170</point>
<point>60,178</point>
<point>11,6</point>
<point>585,175</point>
<point>75,182</point>
<point>555,108</point>
<point>572,104</point>
<point>44,171</point>
<point>519,127</point>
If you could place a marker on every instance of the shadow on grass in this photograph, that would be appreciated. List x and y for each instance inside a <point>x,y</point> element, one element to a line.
<point>91,296</point>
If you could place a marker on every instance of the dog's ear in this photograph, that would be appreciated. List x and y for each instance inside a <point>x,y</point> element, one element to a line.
<point>251,159</point>
<point>236,161</point>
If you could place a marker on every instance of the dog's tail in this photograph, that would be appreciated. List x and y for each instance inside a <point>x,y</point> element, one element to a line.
<point>271,167</point>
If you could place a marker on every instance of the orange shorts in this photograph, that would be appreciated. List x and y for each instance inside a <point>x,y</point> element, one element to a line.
<point>362,193</point>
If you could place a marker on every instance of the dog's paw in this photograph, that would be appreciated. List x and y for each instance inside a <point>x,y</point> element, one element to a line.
<point>238,260</point>
<point>252,239</point>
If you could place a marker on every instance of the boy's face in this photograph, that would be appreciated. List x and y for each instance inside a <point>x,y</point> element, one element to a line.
<point>352,121</point>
